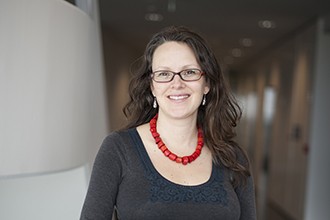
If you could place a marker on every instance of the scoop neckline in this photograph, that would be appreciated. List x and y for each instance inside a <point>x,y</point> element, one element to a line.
<point>144,156</point>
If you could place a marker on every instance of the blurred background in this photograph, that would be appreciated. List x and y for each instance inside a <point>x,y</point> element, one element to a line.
<point>64,74</point>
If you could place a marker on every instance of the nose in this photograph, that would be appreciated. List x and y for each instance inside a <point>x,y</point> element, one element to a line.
<point>177,82</point>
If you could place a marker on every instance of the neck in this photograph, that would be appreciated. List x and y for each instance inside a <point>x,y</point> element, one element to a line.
<point>178,131</point>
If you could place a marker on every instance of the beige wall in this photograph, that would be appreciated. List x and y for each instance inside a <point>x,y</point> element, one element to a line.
<point>118,58</point>
<point>281,136</point>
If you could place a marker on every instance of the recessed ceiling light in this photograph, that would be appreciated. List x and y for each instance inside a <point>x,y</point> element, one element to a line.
<point>268,24</point>
<point>246,42</point>
<point>153,17</point>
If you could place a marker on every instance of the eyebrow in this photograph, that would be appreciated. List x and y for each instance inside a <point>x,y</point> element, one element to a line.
<point>189,66</point>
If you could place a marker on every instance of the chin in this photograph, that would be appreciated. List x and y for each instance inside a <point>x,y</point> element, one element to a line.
<point>181,114</point>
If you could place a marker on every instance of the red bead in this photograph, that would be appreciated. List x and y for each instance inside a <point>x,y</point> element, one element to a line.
<point>157,139</point>
<point>185,160</point>
<point>195,155</point>
<point>163,148</point>
<point>178,160</point>
<point>172,156</point>
<point>160,144</point>
<point>155,134</point>
<point>167,152</point>
<point>153,122</point>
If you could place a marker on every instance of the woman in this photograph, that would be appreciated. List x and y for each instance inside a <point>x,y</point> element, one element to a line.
<point>177,158</point>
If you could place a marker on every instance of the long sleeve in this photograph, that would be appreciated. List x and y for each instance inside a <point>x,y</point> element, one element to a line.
<point>246,192</point>
<point>105,180</point>
<point>246,196</point>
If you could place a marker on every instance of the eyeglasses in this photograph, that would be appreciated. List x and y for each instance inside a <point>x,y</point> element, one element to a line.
<point>188,75</point>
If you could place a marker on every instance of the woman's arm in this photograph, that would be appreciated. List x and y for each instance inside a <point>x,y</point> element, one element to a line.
<point>246,196</point>
<point>105,179</point>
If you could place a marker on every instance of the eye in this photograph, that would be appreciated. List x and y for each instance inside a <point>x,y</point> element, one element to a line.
<point>162,74</point>
<point>190,72</point>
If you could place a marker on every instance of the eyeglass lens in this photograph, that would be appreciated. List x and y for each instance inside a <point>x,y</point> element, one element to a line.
<point>186,75</point>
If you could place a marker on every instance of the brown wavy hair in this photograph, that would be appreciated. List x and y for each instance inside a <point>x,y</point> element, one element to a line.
<point>218,117</point>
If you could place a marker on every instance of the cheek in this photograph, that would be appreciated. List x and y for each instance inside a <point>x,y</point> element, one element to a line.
<point>156,89</point>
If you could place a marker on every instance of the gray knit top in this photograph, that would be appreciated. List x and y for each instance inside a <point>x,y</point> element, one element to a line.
<point>123,178</point>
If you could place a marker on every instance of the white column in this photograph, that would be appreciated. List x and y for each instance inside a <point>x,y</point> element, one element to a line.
<point>51,87</point>
<point>318,181</point>
<point>53,114</point>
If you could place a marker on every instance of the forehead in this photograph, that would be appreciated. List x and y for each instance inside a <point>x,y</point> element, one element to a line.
<point>173,54</point>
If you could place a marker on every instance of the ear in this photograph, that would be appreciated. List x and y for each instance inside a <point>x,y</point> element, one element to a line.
<point>152,89</point>
<point>206,89</point>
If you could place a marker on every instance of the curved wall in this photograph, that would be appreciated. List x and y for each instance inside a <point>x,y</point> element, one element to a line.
<point>52,97</point>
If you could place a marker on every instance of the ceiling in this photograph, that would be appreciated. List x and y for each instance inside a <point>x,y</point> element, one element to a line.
<point>232,27</point>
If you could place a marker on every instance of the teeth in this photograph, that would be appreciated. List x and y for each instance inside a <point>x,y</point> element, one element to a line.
<point>178,97</point>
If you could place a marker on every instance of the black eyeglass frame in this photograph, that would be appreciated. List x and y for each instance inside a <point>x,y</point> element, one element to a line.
<point>176,73</point>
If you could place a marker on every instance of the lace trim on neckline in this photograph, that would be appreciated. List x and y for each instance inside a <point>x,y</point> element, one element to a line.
<point>163,190</point>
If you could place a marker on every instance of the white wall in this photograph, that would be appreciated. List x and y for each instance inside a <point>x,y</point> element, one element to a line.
<point>318,182</point>
<point>53,114</point>
<point>51,86</point>
<point>57,196</point>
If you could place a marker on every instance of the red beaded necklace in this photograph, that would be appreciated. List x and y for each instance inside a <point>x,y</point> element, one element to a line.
<point>185,159</point>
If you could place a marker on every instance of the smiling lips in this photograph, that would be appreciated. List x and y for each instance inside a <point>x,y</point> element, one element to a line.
<point>178,97</point>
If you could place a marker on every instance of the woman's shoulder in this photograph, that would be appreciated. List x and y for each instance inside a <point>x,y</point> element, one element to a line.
<point>118,134</point>
<point>116,142</point>
<point>241,156</point>
<point>119,137</point>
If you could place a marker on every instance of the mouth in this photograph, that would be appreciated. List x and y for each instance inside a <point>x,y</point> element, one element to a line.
<point>178,97</point>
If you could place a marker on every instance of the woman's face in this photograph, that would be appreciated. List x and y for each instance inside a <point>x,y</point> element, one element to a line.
<point>177,98</point>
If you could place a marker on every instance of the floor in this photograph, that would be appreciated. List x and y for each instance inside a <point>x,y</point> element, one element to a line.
<point>266,210</point>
